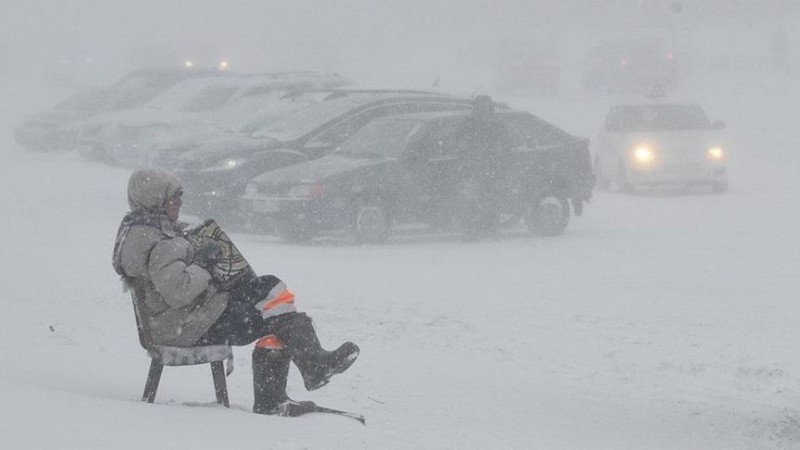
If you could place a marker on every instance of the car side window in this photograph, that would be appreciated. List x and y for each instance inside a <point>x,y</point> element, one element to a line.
<point>439,143</point>
<point>347,127</point>
<point>339,132</point>
<point>533,132</point>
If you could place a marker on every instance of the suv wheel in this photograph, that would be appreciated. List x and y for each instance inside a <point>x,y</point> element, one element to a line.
<point>547,215</point>
<point>370,223</point>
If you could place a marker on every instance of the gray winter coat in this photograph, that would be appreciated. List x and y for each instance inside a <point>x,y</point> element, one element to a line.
<point>180,301</point>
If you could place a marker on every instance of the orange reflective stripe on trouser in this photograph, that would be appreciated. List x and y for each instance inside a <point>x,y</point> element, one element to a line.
<point>271,342</point>
<point>286,296</point>
<point>276,305</point>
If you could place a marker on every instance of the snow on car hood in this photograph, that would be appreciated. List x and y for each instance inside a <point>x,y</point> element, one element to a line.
<point>216,150</point>
<point>58,116</point>
<point>141,117</point>
<point>316,170</point>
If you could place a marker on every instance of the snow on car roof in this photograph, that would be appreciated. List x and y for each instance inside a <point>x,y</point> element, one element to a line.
<point>299,123</point>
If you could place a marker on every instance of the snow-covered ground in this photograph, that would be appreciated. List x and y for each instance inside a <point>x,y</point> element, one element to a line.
<point>664,321</point>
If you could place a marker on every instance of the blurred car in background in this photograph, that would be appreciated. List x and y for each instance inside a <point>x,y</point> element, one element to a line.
<point>215,175</point>
<point>57,129</point>
<point>237,121</point>
<point>130,138</point>
<point>660,144</point>
<point>530,67</point>
<point>630,66</point>
<point>409,168</point>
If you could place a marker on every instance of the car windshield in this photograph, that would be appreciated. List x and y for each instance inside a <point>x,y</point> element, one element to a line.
<point>273,111</point>
<point>135,90</point>
<point>664,118</point>
<point>93,100</point>
<point>300,123</point>
<point>385,139</point>
<point>178,95</point>
<point>209,99</point>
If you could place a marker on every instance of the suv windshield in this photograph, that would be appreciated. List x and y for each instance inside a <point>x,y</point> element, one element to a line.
<point>663,118</point>
<point>386,139</point>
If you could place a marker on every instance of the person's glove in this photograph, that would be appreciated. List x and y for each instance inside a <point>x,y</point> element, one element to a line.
<point>208,254</point>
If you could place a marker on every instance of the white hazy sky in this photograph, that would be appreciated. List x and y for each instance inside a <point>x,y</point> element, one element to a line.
<point>98,41</point>
<point>255,34</point>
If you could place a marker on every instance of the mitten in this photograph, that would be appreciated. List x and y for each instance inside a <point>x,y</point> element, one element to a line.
<point>208,254</point>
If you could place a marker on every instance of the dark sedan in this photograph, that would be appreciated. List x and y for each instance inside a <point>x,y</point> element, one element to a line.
<point>408,168</point>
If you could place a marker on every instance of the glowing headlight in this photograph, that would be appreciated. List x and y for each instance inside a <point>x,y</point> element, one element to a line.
<point>232,163</point>
<point>715,154</point>
<point>644,154</point>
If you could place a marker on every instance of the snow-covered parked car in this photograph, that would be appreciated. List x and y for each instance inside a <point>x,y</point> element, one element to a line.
<point>660,144</point>
<point>130,138</point>
<point>237,120</point>
<point>630,65</point>
<point>410,169</point>
<point>57,129</point>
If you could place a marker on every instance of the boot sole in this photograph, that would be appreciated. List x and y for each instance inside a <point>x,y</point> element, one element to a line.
<point>336,370</point>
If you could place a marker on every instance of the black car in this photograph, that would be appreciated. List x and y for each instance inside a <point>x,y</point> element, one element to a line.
<point>407,169</point>
<point>215,175</point>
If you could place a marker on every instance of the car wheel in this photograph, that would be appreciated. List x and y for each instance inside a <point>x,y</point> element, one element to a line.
<point>547,215</point>
<point>292,229</point>
<point>622,180</point>
<point>370,223</point>
<point>603,183</point>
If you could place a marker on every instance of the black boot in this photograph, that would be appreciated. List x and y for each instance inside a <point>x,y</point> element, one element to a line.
<point>316,365</point>
<point>270,369</point>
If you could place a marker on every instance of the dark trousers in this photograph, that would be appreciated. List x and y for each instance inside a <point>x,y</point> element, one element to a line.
<point>241,323</point>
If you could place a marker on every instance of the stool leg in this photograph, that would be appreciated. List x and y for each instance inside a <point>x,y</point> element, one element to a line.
<point>153,378</point>
<point>220,386</point>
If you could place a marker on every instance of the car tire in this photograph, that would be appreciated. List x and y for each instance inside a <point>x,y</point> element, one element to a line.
<point>547,215</point>
<point>292,229</point>
<point>603,183</point>
<point>370,223</point>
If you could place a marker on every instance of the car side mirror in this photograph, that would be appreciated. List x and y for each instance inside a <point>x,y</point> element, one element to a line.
<point>718,125</point>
